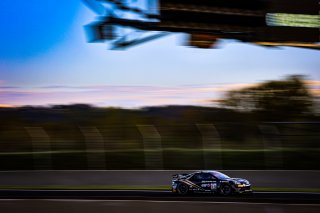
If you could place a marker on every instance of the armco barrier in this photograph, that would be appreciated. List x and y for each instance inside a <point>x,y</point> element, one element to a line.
<point>258,178</point>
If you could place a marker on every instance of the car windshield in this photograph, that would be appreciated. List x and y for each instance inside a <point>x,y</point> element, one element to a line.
<point>220,175</point>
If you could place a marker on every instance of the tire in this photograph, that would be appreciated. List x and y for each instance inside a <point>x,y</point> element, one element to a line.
<point>226,190</point>
<point>182,189</point>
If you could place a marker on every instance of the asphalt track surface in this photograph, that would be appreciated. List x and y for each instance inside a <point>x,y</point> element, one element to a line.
<point>134,206</point>
<point>162,196</point>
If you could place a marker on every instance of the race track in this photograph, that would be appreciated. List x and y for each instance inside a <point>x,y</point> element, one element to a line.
<point>257,197</point>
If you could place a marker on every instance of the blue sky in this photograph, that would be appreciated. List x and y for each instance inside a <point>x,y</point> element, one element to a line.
<point>44,56</point>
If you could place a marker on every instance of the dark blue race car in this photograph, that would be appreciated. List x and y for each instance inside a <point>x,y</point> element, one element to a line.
<point>210,182</point>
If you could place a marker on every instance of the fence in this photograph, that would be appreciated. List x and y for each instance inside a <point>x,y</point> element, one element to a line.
<point>223,145</point>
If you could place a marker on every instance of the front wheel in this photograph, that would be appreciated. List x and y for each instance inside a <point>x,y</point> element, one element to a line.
<point>226,190</point>
<point>182,189</point>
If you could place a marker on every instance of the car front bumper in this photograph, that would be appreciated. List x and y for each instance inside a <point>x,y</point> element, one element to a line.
<point>244,189</point>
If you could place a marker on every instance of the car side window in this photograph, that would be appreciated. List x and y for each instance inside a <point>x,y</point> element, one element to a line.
<point>208,177</point>
<point>196,177</point>
<point>202,177</point>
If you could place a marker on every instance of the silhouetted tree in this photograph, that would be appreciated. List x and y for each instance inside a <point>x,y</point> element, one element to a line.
<point>288,98</point>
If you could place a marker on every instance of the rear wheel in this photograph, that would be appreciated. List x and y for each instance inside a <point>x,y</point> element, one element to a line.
<point>182,189</point>
<point>226,190</point>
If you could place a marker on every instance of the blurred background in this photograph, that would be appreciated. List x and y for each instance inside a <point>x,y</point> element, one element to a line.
<point>273,125</point>
<point>169,85</point>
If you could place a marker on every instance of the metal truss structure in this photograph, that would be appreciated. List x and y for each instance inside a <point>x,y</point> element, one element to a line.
<point>126,23</point>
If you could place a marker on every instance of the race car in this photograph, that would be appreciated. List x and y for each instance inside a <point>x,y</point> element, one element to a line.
<point>209,182</point>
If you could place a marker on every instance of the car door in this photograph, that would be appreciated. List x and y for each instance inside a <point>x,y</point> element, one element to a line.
<point>208,182</point>
<point>196,181</point>
<point>204,181</point>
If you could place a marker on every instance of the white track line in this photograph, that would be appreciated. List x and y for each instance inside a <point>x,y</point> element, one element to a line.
<point>136,190</point>
<point>157,170</point>
<point>158,201</point>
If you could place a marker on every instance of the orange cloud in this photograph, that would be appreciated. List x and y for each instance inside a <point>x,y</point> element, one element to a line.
<point>312,83</point>
<point>6,106</point>
<point>315,92</point>
<point>125,96</point>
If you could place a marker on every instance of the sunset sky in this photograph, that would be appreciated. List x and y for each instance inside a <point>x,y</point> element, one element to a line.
<point>45,59</point>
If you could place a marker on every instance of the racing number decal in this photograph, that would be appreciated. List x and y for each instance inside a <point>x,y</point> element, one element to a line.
<point>213,186</point>
<point>209,185</point>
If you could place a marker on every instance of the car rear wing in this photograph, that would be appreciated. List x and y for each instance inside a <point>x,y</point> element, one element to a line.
<point>179,176</point>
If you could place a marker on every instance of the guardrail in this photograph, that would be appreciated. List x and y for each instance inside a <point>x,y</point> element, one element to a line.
<point>258,178</point>
<point>274,145</point>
